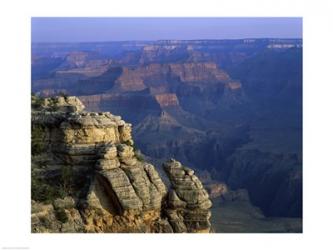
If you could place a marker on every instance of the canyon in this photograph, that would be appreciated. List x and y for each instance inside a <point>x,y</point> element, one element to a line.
<point>229,109</point>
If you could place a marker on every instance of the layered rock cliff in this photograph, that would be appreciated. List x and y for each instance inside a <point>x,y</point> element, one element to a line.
<point>87,176</point>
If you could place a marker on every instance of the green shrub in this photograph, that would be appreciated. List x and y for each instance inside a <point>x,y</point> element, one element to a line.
<point>37,140</point>
<point>47,190</point>
<point>61,215</point>
<point>45,221</point>
<point>42,191</point>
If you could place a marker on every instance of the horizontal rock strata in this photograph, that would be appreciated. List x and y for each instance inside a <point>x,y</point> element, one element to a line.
<point>188,201</point>
<point>117,191</point>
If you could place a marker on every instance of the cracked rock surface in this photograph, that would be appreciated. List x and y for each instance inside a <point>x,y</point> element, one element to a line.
<point>91,157</point>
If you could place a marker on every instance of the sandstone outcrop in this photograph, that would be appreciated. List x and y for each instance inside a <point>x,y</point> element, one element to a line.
<point>107,187</point>
<point>188,73</point>
<point>217,189</point>
<point>61,216</point>
<point>166,100</point>
<point>62,104</point>
<point>188,201</point>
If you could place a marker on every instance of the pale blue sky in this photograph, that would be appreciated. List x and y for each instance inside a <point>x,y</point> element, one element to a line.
<point>89,29</point>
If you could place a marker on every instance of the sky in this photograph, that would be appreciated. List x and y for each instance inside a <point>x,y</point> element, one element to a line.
<point>96,29</point>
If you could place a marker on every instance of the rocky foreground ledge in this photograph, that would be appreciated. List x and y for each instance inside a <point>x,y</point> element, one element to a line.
<point>88,177</point>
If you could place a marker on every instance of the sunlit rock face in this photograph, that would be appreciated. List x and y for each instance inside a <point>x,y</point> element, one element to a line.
<point>108,186</point>
<point>188,201</point>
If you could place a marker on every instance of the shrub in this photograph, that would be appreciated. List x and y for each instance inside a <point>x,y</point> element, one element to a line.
<point>42,191</point>
<point>61,215</point>
<point>48,189</point>
<point>37,140</point>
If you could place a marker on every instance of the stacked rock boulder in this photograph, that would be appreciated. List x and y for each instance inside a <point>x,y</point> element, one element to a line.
<point>133,191</point>
<point>124,193</point>
<point>135,185</point>
<point>188,201</point>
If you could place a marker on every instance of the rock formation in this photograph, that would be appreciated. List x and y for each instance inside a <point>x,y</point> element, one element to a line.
<point>188,201</point>
<point>106,185</point>
<point>166,100</point>
<point>232,108</point>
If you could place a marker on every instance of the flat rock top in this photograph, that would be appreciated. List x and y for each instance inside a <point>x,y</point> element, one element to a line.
<point>103,119</point>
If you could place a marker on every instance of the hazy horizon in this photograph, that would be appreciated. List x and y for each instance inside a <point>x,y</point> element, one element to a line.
<point>103,29</point>
<point>222,39</point>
